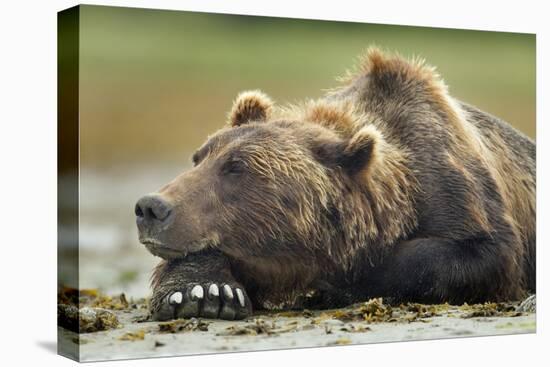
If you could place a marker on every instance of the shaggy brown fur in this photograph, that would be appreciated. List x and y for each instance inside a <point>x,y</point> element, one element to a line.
<point>385,187</point>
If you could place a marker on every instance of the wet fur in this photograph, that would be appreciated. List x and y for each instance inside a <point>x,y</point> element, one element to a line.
<point>387,186</point>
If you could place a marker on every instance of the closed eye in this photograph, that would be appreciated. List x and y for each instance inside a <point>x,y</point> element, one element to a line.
<point>234,167</point>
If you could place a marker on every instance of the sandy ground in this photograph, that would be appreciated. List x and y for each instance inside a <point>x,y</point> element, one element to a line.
<point>135,338</point>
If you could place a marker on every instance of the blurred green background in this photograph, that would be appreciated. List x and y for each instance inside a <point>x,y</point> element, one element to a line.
<point>155,83</point>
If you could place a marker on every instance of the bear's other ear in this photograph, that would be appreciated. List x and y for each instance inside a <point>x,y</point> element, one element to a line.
<point>250,106</point>
<point>354,155</point>
<point>360,152</point>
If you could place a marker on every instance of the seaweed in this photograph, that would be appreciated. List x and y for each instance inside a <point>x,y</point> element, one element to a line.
<point>256,327</point>
<point>86,319</point>
<point>133,336</point>
<point>111,303</point>
<point>373,310</point>
<point>94,298</point>
<point>259,327</point>
<point>183,325</point>
<point>489,309</point>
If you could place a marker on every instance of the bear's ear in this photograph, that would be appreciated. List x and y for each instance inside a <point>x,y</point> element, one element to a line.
<point>355,155</point>
<point>250,106</point>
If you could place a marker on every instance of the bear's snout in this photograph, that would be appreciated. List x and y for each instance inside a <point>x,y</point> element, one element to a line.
<point>153,215</point>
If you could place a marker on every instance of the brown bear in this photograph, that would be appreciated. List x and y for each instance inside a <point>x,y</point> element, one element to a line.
<point>385,187</point>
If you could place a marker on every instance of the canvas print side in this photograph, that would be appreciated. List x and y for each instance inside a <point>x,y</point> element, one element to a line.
<point>67,179</point>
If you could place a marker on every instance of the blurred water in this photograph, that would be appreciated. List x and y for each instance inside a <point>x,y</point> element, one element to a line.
<point>111,257</point>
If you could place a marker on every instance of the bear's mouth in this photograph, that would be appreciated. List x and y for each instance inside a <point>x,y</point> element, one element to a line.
<point>162,250</point>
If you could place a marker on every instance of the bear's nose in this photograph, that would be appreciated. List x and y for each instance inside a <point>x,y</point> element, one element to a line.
<point>153,209</point>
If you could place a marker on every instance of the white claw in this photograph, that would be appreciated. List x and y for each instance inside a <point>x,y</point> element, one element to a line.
<point>197,292</point>
<point>227,292</point>
<point>213,290</point>
<point>175,298</point>
<point>240,296</point>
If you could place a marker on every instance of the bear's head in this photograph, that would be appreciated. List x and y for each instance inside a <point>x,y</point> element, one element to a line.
<point>272,187</point>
